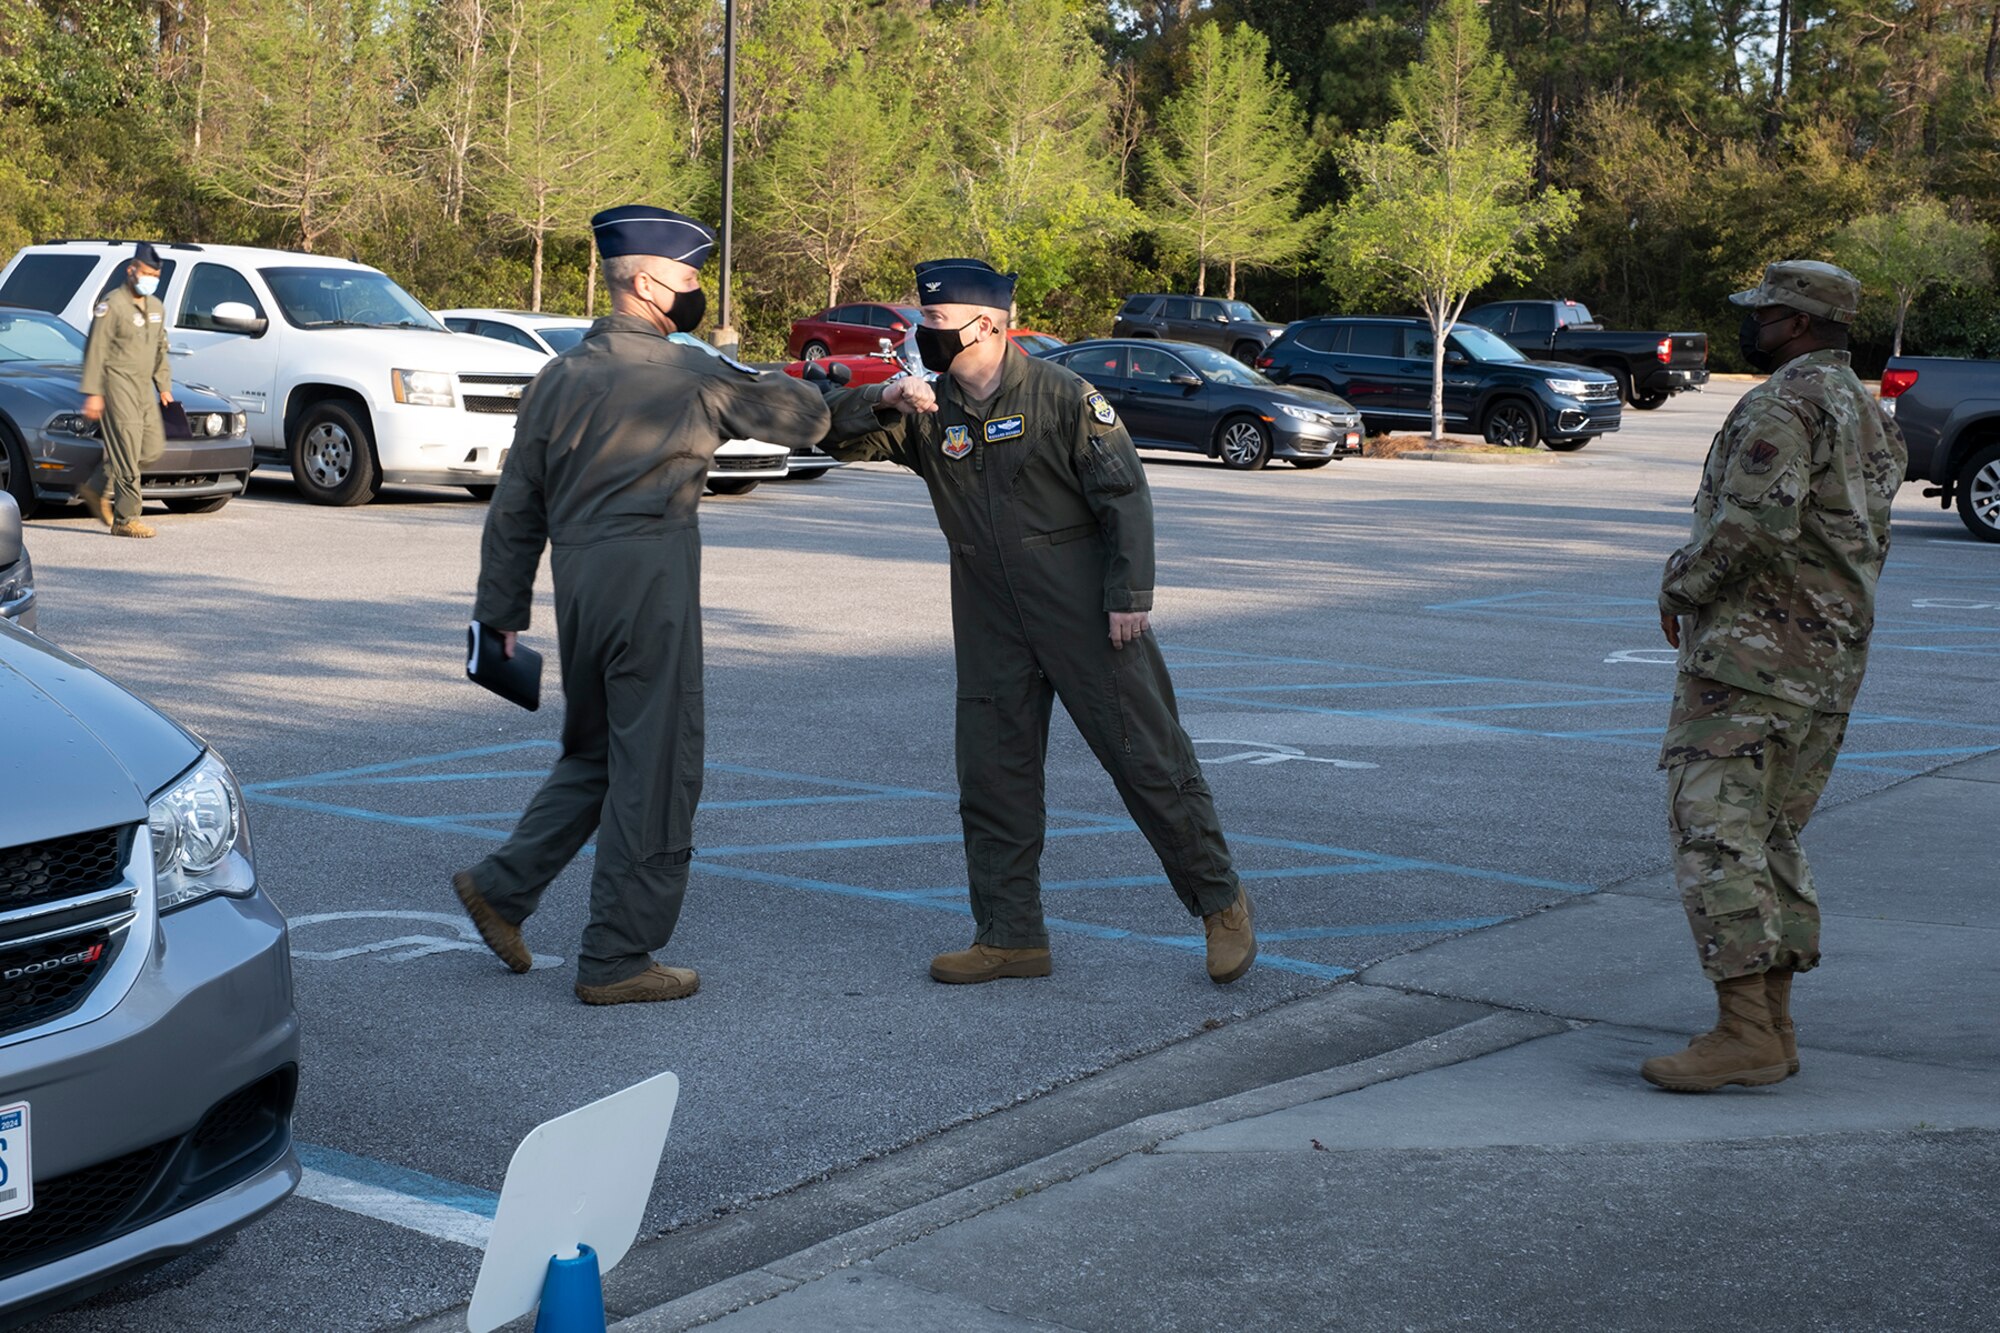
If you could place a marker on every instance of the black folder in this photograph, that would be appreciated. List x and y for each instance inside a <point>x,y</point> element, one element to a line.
<point>174,421</point>
<point>517,679</point>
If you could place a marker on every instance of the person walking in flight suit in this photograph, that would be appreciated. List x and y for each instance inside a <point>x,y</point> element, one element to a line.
<point>125,383</point>
<point>1040,495</point>
<point>610,455</point>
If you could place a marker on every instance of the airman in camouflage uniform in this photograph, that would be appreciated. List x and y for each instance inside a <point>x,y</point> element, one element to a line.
<point>1771,604</point>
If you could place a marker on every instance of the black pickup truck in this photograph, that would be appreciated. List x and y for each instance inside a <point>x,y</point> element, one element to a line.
<point>1950,414</point>
<point>1650,367</point>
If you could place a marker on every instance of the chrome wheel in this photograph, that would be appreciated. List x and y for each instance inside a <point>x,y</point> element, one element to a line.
<point>812,352</point>
<point>1244,445</point>
<point>1983,495</point>
<point>328,454</point>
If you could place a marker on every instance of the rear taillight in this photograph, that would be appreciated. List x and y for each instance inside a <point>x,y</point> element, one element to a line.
<point>1264,363</point>
<point>1665,351</point>
<point>1896,383</point>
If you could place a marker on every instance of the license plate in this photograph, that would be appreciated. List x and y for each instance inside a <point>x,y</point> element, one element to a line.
<point>17,1186</point>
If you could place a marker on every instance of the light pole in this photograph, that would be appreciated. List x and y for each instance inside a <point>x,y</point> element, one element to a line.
<point>725,332</point>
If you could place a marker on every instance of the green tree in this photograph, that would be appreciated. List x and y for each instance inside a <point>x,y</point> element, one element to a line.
<point>1033,158</point>
<point>1909,250</point>
<point>579,122</point>
<point>1229,159</point>
<point>305,132</point>
<point>1443,199</point>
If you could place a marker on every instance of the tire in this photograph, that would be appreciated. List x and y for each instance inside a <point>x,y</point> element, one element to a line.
<point>15,479</point>
<point>813,350</point>
<point>204,504</point>
<point>1308,464</point>
<point>1512,422</point>
<point>483,491</point>
<point>1651,399</point>
<point>1568,446</point>
<point>1243,443</point>
<point>1246,352</point>
<point>332,456</point>
<point>814,475</point>
<point>734,486</point>
<point>1979,494</point>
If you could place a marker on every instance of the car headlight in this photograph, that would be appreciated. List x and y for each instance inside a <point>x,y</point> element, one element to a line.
<point>1306,414</point>
<point>72,423</point>
<point>422,388</point>
<point>201,845</point>
<point>239,424</point>
<point>1569,388</point>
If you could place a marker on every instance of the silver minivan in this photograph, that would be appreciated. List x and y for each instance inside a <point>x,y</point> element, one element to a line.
<point>148,1043</point>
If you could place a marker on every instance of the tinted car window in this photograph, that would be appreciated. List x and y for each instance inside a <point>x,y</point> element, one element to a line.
<point>1418,344</point>
<point>1531,319</point>
<point>1096,363</point>
<point>209,286</point>
<point>330,297</point>
<point>37,337</point>
<point>507,333</point>
<point>1243,310</point>
<point>1482,345</point>
<point>1210,310</point>
<point>1374,339</point>
<point>880,316</point>
<point>847,314</point>
<point>1176,307</point>
<point>1036,343</point>
<point>1151,366</point>
<point>1495,317</point>
<point>1572,313</point>
<point>46,282</point>
<point>1219,369</point>
<point>117,278</point>
<point>1137,305</point>
<point>1321,337</point>
<point>563,339</point>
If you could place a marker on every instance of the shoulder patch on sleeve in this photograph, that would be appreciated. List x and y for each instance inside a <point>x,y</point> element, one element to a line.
<point>103,309</point>
<point>1100,408</point>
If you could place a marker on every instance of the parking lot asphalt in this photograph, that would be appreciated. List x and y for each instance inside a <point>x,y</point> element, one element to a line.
<point>1428,696</point>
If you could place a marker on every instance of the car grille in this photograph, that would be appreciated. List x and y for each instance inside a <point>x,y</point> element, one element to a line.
<point>1598,393</point>
<point>42,872</point>
<point>240,1136</point>
<point>729,463</point>
<point>493,404</point>
<point>65,904</point>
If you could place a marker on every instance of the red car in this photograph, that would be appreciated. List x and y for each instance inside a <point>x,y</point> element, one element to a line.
<point>844,330</point>
<point>877,366</point>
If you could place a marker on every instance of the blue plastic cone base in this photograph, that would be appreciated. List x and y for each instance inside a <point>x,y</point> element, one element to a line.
<point>572,1296</point>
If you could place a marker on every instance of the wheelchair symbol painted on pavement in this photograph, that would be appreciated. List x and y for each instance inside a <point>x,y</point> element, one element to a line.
<point>1270,752</point>
<point>446,933</point>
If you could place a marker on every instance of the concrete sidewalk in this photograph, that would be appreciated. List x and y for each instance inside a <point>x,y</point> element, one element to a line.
<point>1508,1169</point>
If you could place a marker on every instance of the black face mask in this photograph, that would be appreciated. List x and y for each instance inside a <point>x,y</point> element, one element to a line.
<point>686,311</point>
<point>938,348</point>
<point>1747,334</point>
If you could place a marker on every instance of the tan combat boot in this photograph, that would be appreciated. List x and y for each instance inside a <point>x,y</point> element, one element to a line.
<point>96,502</point>
<point>1743,1047</point>
<point>133,528</point>
<point>1778,995</point>
<point>1232,940</point>
<point>503,937</point>
<point>983,962</point>
<point>657,982</point>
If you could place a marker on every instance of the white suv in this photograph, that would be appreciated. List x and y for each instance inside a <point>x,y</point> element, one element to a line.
<point>345,377</point>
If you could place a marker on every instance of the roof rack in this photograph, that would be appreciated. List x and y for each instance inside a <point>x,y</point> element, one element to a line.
<point>111,240</point>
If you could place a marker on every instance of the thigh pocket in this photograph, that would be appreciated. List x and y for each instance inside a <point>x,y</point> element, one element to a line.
<point>978,741</point>
<point>1720,822</point>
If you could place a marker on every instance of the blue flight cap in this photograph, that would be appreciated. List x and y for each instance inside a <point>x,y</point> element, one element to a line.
<point>144,253</point>
<point>641,229</point>
<point>964,282</point>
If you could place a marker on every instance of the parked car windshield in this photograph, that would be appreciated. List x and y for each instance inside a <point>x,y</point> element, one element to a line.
<point>1218,368</point>
<point>1484,344</point>
<point>562,339</point>
<point>25,337</point>
<point>1243,310</point>
<point>345,298</point>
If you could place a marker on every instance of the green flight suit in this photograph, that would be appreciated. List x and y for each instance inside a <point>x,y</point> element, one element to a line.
<point>1045,506</point>
<point>125,362</point>
<point>610,455</point>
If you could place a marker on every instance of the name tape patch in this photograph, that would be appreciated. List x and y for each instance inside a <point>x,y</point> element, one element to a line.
<point>1006,428</point>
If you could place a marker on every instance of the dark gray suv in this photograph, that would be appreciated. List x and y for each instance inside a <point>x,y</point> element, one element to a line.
<point>1227,326</point>
<point>148,1044</point>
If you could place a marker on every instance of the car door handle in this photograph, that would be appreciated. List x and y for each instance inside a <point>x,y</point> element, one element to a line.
<point>179,349</point>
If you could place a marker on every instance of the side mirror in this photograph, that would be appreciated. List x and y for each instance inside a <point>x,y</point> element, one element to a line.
<point>1186,381</point>
<point>236,317</point>
<point>1222,319</point>
<point>885,344</point>
<point>898,327</point>
<point>1454,357</point>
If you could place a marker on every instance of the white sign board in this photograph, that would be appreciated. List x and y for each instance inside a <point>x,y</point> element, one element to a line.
<point>582,1178</point>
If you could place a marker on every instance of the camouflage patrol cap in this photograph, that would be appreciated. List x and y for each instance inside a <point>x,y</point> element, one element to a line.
<point>1808,285</point>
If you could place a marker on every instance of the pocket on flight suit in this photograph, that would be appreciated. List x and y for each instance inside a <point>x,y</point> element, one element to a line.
<point>1108,466</point>
<point>676,845</point>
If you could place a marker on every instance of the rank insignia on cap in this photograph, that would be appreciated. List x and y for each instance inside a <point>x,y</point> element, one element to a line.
<point>957,441</point>
<point>1005,428</point>
<point>1101,409</point>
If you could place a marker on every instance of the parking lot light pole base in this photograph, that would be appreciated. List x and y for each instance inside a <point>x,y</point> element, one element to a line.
<point>572,1295</point>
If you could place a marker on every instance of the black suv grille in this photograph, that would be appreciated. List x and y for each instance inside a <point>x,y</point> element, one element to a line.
<point>240,1135</point>
<point>757,463</point>
<point>46,981</point>
<point>493,407</point>
<point>44,872</point>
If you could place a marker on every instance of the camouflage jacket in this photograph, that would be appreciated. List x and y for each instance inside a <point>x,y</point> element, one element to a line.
<point>1790,530</point>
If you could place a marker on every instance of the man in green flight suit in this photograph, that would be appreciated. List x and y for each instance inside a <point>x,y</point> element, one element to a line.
<point>610,455</point>
<point>1042,499</point>
<point>1771,604</point>
<point>125,383</point>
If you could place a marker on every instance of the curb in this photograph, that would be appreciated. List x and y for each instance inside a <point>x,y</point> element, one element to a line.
<point>1482,1036</point>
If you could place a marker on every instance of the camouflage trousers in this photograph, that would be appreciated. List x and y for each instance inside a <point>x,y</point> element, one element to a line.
<point>1744,772</point>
